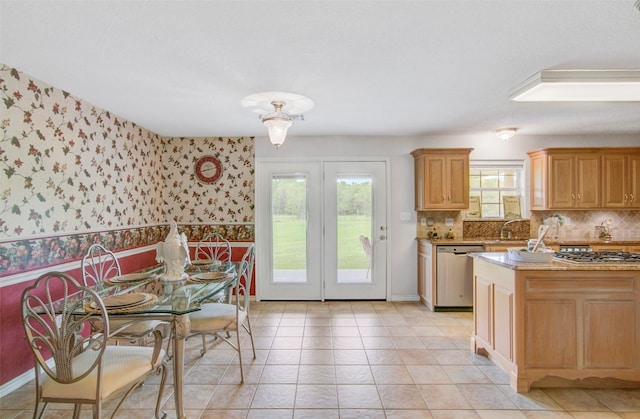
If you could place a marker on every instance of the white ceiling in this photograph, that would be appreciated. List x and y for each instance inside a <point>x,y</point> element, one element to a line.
<point>181,68</point>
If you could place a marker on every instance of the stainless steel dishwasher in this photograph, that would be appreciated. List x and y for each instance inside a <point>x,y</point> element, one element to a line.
<point>454,277</point>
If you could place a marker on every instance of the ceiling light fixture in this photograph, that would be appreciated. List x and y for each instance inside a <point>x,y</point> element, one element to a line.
<point>269,107</point>
<point>506,133</point>
<point>277,123</point>
<point>580,86</point>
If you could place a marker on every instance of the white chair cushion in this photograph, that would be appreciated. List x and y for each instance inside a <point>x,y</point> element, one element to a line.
<point>214,316</point>
<point>121,366</point>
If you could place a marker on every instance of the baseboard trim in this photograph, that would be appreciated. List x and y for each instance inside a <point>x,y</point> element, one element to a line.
<point>12,385</point>
<point>408,297</point>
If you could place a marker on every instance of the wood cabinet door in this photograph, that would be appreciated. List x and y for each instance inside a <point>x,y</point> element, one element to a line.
<point>550,339</point>
<point>538,179</point>
<point>483,310</point>
<point>425,278</point>
<point>436,182</point>
<point>614,180</point>
<point>634,181</point>
<point>503,339</point>
<point>419,182</point>
<point>562,175</point>
<point>458,181</point>
<point>610,334</point>
<point>587,183</point>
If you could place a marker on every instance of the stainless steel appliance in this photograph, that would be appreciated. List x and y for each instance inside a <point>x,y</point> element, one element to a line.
<point>604,256</point>
<point>454,277</point>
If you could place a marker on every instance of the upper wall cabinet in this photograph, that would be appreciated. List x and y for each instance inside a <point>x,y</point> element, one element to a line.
<point>621,180</point>
<point>441,178</point>
<point>584,178</point>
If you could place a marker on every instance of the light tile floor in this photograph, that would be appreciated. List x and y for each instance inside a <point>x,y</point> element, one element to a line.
<point>352,360</point>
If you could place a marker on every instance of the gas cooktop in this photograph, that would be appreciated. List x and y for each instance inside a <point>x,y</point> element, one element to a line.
<point>604,256</point>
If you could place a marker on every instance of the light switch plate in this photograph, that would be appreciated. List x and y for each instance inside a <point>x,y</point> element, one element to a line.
<point>429,222</point>
<point>405,216</point>
<point>448,222</point>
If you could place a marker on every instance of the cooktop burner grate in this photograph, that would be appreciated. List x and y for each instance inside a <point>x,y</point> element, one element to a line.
<point>605,256</point>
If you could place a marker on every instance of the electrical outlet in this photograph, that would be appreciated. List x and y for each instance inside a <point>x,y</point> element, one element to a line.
<point>448,222</point>
<point>430,222</point>
<point>567,221</point>
<point>423,222</point>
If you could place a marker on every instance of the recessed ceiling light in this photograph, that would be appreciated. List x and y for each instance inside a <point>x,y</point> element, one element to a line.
<point>579,86</point>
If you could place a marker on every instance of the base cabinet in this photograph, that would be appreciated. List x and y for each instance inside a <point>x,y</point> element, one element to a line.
<point>559,328</point>
<point>426,286</point>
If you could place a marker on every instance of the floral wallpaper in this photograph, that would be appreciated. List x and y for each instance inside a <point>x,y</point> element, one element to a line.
<point>69,166</point>
<point>72,174</point>
<point>230,199</point>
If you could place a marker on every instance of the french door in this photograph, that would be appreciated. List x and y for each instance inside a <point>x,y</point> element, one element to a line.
<point>321,230</point>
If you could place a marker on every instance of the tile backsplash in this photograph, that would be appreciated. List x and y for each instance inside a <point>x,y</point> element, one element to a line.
<point>625,225</point>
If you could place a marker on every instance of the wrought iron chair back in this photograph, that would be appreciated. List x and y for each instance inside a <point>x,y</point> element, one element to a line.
<point>99,264</point>
<point>60,319</point>
<point>214,247</point>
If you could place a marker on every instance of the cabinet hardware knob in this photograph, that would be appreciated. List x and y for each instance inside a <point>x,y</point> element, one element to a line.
<point>573,197</point>
<point>631,197</point>
<point>626,197</point>
<point>579,197</point>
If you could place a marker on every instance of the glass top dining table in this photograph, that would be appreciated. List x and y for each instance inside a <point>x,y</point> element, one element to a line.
<point>175,300</point>
<point>173,297</point>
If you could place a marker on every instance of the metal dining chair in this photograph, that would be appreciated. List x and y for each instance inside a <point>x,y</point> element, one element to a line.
<point>98,265</point>
<point>59,318</point>
<point>218,319</point>
<point>214,247</point>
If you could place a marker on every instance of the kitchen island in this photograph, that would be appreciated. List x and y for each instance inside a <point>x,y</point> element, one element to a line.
<point>558,324</point>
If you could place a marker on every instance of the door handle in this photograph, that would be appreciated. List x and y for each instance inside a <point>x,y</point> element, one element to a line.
<point>382,237</point>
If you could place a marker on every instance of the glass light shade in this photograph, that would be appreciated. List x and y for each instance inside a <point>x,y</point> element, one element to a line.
<point>506,133</point>
<point>277,128</point>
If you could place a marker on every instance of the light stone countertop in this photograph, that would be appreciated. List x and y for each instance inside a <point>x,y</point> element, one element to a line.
<point>515,243</point>
<point>502,259</point>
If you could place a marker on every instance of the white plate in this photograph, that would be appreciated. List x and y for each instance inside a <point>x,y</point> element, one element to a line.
<point>210,276</point>
<point>133,277</point>
<point>202,262</point>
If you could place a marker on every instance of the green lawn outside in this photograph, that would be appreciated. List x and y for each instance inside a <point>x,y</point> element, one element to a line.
<point>290,253</point>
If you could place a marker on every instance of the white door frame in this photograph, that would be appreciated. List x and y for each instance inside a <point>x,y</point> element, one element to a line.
<point>262,216</point>
<point>375,286</point>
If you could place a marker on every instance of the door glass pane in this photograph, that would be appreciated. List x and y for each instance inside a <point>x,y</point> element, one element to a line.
<point>354,202</point>
<point>289,227</point>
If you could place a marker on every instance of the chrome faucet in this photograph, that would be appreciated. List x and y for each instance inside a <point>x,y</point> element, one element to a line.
<point>506,224</point>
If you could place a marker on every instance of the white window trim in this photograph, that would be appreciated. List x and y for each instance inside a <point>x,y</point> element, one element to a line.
<point>507,164</point>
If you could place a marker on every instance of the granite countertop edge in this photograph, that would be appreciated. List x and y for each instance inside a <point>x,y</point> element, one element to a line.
<point>517,242</point>
<point>502,259</point>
